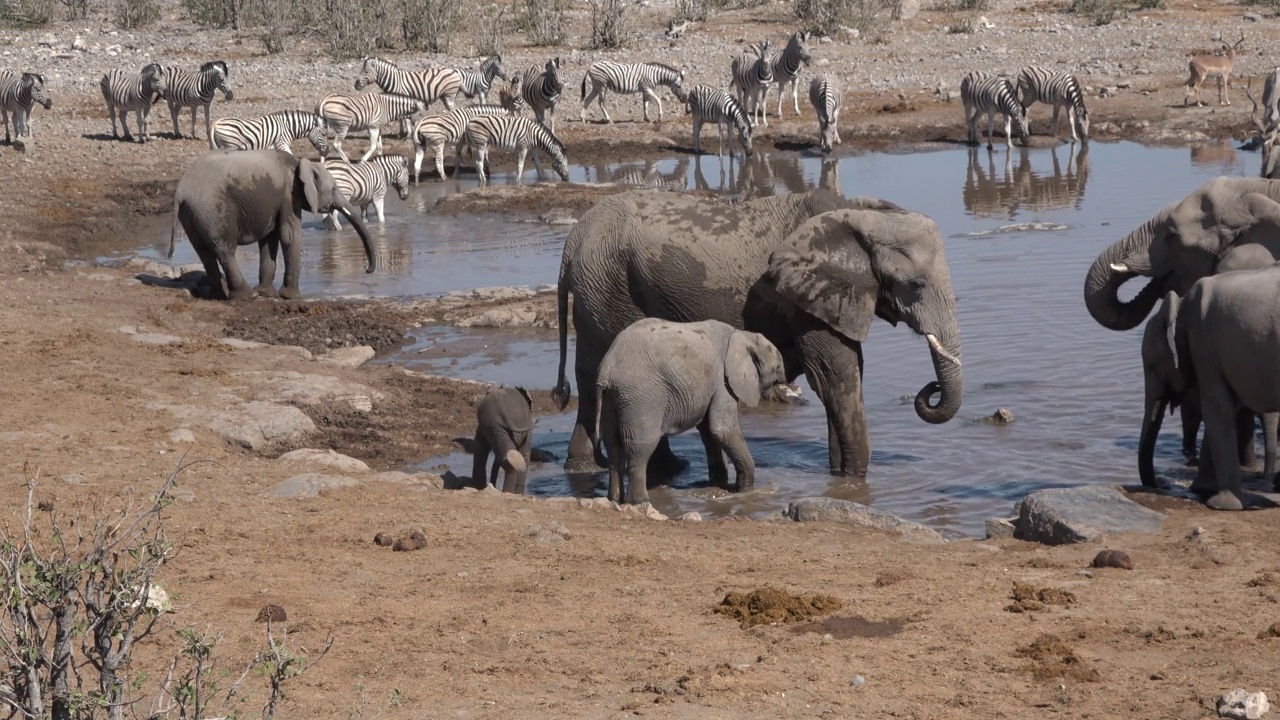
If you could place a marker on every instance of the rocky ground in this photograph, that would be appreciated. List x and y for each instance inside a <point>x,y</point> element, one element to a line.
<point>525,608</point>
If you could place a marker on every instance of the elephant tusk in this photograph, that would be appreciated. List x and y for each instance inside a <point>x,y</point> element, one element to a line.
<point>1120,267</point>
<point>936,346</point>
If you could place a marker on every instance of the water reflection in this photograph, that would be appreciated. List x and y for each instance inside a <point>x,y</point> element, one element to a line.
<point>1219,156</point>
<point>763,174</point>
<point>341,252</point>
<point>646,174</point>
<point>1019,187</point>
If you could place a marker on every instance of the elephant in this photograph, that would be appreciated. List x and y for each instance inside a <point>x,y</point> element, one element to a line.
<point>227,198</point>
<point>1165,388</point>
<point>808,271</point>
<point>661,378</point>
<point>504,426</point>
<point>1227,341</point>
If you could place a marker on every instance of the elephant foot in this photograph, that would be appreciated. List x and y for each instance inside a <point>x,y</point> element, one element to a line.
<point>666,465</point>
<point>289,292</point>
<point>243,293</point>
<point>585,465</point>
<point>266,291</point>
<point>1225,500</point>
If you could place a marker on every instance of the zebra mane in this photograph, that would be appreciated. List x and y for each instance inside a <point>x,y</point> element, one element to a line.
<point>376,63</point>
<point>667,67</point>
<point>220,64</point>
<point>546,137</point>
<point>152,69</point>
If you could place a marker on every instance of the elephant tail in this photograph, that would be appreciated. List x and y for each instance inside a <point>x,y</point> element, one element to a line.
<point>562,389</point>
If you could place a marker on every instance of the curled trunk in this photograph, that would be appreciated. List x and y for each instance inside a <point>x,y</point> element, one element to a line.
<point>949,383</point>
<point>1102,285</point>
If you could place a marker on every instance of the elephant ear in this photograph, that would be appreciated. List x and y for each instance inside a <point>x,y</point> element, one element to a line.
<point>824,268</point>
<point>309,176</point>
<point>1170,311</point>
<point>1258,243</point>
<point>525,393</point>
<point>740,372</point>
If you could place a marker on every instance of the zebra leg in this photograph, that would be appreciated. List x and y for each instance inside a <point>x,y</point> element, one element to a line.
<point>173,115</point>
<point>124,123</point>
<point>194,111</point>
<point>268,247</point>
<point>111,111</point>
<point>1071,120</point>
<point>646,94</point>
<point>5,114</point>
<point>764,104</point>
<point>520,164</point>
<point>143,120</point>
<point>537,162</point>
<point>1008,131</point>
<point>374,139</point>
<point>340,134</point>
<point>596,92</point>
<point>697,135</point>
<point>1057,109</point>
<point>480,153</point>
<point>418,152</point>
<point>603,107</point>
<point>795,94</point>
<point>551,113</point>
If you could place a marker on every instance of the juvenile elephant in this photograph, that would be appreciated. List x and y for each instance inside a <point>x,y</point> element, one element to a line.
<point>1227,337</point>
<point>808,271</point>
<point>227,198</point>
<point>504,426</point>
<point>1166,388</point>
<point>661,378</point>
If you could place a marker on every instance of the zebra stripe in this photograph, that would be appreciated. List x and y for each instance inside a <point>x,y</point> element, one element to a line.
<point>366,183</point>
<point>429,85</point>
<point>438,131</point>
<point>195,90</point>
<point>708,104</point>
<point>19,92</point>
<point>628,79</point>
<point>276,130</point>
<point>751,77</point>
<point>511,97</point>
<point>124,92</point>
<point>478,83</point>
<point>982,92</point>
<point>825,96</point>
<point>367,111</point>
<point>541,90</point>
<point>1058,90</point>
<point>505,132</point>
<point>787,66</point>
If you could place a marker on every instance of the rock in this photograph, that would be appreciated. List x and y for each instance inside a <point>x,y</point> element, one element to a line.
<point>182,435</point>
<point>1252,17</point>
<point>1124,85</point>
<point>595,503</point>
<point>330,458</point>
<point>239,344</point>
<point>349,357</point>
<point>309,485</point>
<point>1080,514</point>
<point>549,534</point>
<point>271,613</point>
<point>257,425</point>
<point>857,681</point>
<point>691,517</point>
<point>821,509</point>
<point>1002,416</point>
<point>308,389</point>
<point>383,540</point>
<point>1000,527</point>
<point>1113,559</point>
<point>156,339</point>
<point>408,543</point>
<point>1243,705</point>
<point>501,317</point>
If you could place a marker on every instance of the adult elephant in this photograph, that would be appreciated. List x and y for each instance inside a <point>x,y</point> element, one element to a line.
<point>808,271</point>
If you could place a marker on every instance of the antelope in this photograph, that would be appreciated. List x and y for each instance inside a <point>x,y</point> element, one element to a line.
<point>1270,136</point>
<point>1206,66</point>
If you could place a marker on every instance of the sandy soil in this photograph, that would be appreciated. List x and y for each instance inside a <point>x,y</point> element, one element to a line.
<point>532,609</point>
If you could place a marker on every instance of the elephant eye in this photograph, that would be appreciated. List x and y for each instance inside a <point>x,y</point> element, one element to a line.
<point>916,284</point>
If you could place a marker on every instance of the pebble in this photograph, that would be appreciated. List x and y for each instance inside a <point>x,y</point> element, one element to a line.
<point>182,435</point>
<point>858,681</point>
<point>691,517</point>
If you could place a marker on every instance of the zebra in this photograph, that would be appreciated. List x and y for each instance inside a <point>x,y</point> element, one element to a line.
<point>708,104</point>
<point>366,111</point>
<point>751,78</point>
<point>521,134</point>
<point>1057,89</point>
<point>982,92</point>
<point>439,131</point>
<point>511,97</point>
<point>477,83</point>
<point>196,90</point>
<point>825,96</point>
<point>124,92</point>
<point>276,130</point>
<point>605,76</point>
<point>541,90</point>
<point>19,93</point>
<point>787,66</point>
<point>430,85</point>
<point>366,183</point>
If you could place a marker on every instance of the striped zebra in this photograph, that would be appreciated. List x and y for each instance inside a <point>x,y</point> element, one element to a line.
<point>541,90</point>
<point>1057,89</point>
<point>124,92</point>
<point>787,66</point>
<point>19,93</point>
<point>196,90</point>
<point>440,131</point>
<point>504,132</point>
<point>752,74</point>
<point>428,85</point>
<point>605,76</point>
<point>366,111</point>
<point>366,183</point>
<point>825,96</point>
<point>511,97</point>
<point>477,83</point>
<point>982,92</point>
<point>276,130</point>
<point>707,104</point>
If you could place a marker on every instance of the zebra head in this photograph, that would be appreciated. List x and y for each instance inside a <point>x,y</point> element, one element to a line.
<point>155,81</point>
<point>374,71</point>
<point>551,78</point>
<point>1082,123</point>
<point>32,84</point>
<point>764,63</point>
<point>221,72</point>
<point>316,133</point>
<point>492,68</point>
<point>397,172</point>
<point>799,44</point>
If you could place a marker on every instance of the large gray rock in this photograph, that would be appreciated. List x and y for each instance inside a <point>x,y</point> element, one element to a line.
<point>349,357</point>
<point>1080,514</point>
<point>257,425</point>
<point>328,457</point>
<point>309,485</point>
<point>298,388</point>
<point>821,509</point>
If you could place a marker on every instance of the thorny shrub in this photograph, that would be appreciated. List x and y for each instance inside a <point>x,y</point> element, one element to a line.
<point>1099,12</point>
<point>429,24</point>
<point>490,23</point>
<point>543,21</point>
<point>27,13</point>
<point>608,24</point>
<point>827,16</point>
<point>131,14</point>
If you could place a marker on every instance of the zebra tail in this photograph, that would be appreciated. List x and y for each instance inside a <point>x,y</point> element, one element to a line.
<point>584,86</point>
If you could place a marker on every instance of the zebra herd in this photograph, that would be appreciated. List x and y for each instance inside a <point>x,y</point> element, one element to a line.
<point>986,93</point>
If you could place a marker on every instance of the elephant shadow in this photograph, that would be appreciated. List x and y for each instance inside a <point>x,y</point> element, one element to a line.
<point>190,280</point>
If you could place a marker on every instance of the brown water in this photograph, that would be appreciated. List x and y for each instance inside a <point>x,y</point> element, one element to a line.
<point>1021,229</point>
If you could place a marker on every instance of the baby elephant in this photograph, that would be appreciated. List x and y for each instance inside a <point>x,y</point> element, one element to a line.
<point>661,378</point>
<point>505,428</point>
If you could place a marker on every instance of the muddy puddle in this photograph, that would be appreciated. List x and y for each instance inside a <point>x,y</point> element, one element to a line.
<point>1022,227</point>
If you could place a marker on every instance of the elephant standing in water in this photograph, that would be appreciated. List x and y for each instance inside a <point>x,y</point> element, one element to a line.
<point>808,271</point>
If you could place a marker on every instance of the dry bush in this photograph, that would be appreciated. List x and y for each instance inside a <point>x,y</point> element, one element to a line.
<point>491,25</point>
<point>608,24</point>
<point>130,14</point>
<point>429,24</point>
<point>1099,12</point>
<point>826,17</point>
<point>543,22</point>
<point>27,13</point>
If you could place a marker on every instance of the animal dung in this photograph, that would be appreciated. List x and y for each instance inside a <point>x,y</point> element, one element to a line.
<point>271,613</point>
<point>383,540</point>
<point>1113,559</point>
<point>408,543</point>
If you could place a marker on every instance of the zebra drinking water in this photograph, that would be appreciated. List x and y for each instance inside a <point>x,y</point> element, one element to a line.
<point>195,90</point>
<point>787,66</point>
<point>276,130</point>
<point>124,93</point>
<point>19,92</point>
<point>541,90</point>
<point>825,96</point>
<point>366,183</point>
<point>628,79</point>
<point>476,84</point>
<point>366,111</point>
<point>1057,89</point>
<point>439,131</point>
<point>708,104</point>
<point>504,132</point>
<point>982,92</point>
<point>751,76</point>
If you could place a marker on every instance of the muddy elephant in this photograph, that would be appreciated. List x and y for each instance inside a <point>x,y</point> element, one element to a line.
<point>504,427</point>
<point>227,198</point>
<point>661,378</point>
<point>808,271</point>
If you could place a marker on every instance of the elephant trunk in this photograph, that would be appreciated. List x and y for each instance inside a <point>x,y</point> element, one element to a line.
<point>1119,263</point>
<point>950,382</point>
<point>1151,421</point>
<point>358,223</point>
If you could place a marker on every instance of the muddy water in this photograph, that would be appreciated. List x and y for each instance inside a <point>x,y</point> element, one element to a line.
<point>1021,229</point>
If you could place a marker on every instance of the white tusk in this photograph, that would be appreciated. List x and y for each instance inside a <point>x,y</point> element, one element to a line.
<point>936,346</point>
<point>1120,267</point>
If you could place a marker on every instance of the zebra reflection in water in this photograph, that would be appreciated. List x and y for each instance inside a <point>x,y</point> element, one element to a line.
<point>1019,188</point>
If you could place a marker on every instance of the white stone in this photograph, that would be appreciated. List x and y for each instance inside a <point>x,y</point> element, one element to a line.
<point>156,339</point>
<point>182,435</point>
<point>350,357</point>
<point>309,485</point>
<point>691,517</point>
<point>329,458</point>
<point>258,424</point>
<point>1243,705</point>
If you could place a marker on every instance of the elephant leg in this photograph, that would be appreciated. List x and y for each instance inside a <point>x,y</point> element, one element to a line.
<point>1246,431</point>
<point>637,459</point>
<point>833,366</point>
<point>736,447</point>
<point>516,484</point>
<point>1191,418</point>
<point>613,445</point>
<point>1270,425</point>
<point>268,247</point>
<point>717,472</point>
<point>479,458</point>
<point>586,363</point>
<point>1220,412</point>
<point>290,234</point>
<point>237,287</point>
<point>212,271</point>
